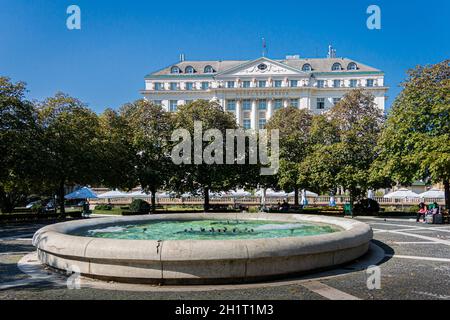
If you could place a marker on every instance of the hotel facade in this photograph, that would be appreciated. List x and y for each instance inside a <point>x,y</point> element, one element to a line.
<point>253,90</point>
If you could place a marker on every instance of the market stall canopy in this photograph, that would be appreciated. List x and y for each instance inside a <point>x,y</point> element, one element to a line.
<point>239,193</point>
<point>83,193</point>
<point>402,194</point>
<point>114,194</point>
<point>433,194</point>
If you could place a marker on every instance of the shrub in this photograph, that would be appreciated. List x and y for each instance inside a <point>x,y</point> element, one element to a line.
<point>367,207</point>
<point>140,206</point>
<point>104,207</point>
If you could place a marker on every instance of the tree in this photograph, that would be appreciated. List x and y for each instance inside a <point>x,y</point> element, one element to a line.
<point>416,141</point>
<point>19,145</point>
<point>116,152</point>
<point>149,130</point>
<point>345,139</point>
<point>71,137</point>
<point>294,126</point>
<point>205,177</point>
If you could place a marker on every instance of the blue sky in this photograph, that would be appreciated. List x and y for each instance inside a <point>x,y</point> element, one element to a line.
<point>105,62</point>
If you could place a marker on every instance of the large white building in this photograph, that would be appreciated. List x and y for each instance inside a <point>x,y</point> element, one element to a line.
<point>253,90</point>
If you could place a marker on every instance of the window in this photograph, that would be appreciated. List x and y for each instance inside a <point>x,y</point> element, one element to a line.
<point>320,103</point>
<point>320,83</point>
<point>336,67</point>
<point>353,83</point>
<point>157,102</point>
<point>262,123</point>
<point>277,104</point>
<point>352,66</point>
<point>370,82</point>
<point>189,85</point>
<point>262,66</point>
<point>158,86</point>
<point>230,84</point>
<point>247,124</point>
<point>245,84</point>
<point>262,83</point>
<point>209,69</point>
<point>189,69</point>
<point>337,83</point>
<point>246,105</point>
<point>231,105</point>
<point>293,103</point>
<point>336,101</point>
<point>173,105</point>
<point>173,86</point>
<point>262,105</point>
<point>294,83</point>
<point>277,83</point>
<point>306,67</point>
<point>205,85</point>
<point>175,69</point>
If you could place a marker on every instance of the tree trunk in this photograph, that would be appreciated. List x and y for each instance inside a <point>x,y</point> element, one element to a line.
<point>153,201</point>
<point>206,203</point>
<point>447,194</point>
<point>61,195</point>
<point>296,202</point>
<point>6,205</point>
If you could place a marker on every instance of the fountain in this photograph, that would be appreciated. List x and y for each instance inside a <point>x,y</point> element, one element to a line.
<point>201,248</point>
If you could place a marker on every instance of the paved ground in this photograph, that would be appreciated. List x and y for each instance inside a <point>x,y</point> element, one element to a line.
<point>416,265</point>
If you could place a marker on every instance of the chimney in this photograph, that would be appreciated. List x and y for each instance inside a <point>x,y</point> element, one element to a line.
<point>331,52</point>
<point>182,58</point>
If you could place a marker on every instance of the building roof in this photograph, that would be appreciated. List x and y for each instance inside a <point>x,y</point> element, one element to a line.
<point>318,65</point>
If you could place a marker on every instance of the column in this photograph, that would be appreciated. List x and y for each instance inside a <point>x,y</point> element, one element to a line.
<point>254,115</point>
<point>285,103</point>
<point>269,109</point>
<point>238,112</point>
<point>222,104</point>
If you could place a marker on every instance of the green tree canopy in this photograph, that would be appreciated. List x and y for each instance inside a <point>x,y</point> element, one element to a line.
<point>71,138</point>
<point>19,145</point>
<point>294,126</point>
<point>416,141</point>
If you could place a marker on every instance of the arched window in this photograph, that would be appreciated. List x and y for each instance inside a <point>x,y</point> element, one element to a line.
<point>336,67</point>
<point>189,69</point>
<point>306,67</point>
<point>352,66</point>
<point>175,69</point>
<point>209,69</point>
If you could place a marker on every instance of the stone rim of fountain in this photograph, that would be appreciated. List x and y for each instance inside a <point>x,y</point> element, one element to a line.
<point>200,261</point>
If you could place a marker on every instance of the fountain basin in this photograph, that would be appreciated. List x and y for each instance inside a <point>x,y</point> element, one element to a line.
<point>191,261</point>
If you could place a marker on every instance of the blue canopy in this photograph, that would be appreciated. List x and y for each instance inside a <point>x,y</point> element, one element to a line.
<point>83,193</point>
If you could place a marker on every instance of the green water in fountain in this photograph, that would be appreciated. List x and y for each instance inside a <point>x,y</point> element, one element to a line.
<point>208,230</point>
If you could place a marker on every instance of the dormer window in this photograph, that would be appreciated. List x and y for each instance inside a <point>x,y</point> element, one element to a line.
<point>352,66</point>
<point>175,70</point>
<point>189,69</point>
<point>336,67</point>
<point>209,69</point>
<point>307,67</point>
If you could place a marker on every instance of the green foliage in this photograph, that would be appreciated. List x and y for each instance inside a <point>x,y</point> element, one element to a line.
<point>140,206</point>
<point>416,141</point>
<point>104,207</point>
<point>19,145</point>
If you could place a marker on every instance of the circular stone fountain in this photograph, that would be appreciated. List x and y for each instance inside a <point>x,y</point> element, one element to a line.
<point>201,248</point>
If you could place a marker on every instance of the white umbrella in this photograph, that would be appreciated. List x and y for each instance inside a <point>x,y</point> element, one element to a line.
<point>114,194</point>
<point>165,195</point>
<point>370,194</point>
<point>271,193</point>
<point>239,193</point>
<point>139,194</point>
<point>402,194</point>
<point>309,194</point>
<point>433,194</point>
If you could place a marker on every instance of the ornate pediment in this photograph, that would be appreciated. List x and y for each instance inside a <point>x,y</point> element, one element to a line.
<point>262,66</point>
